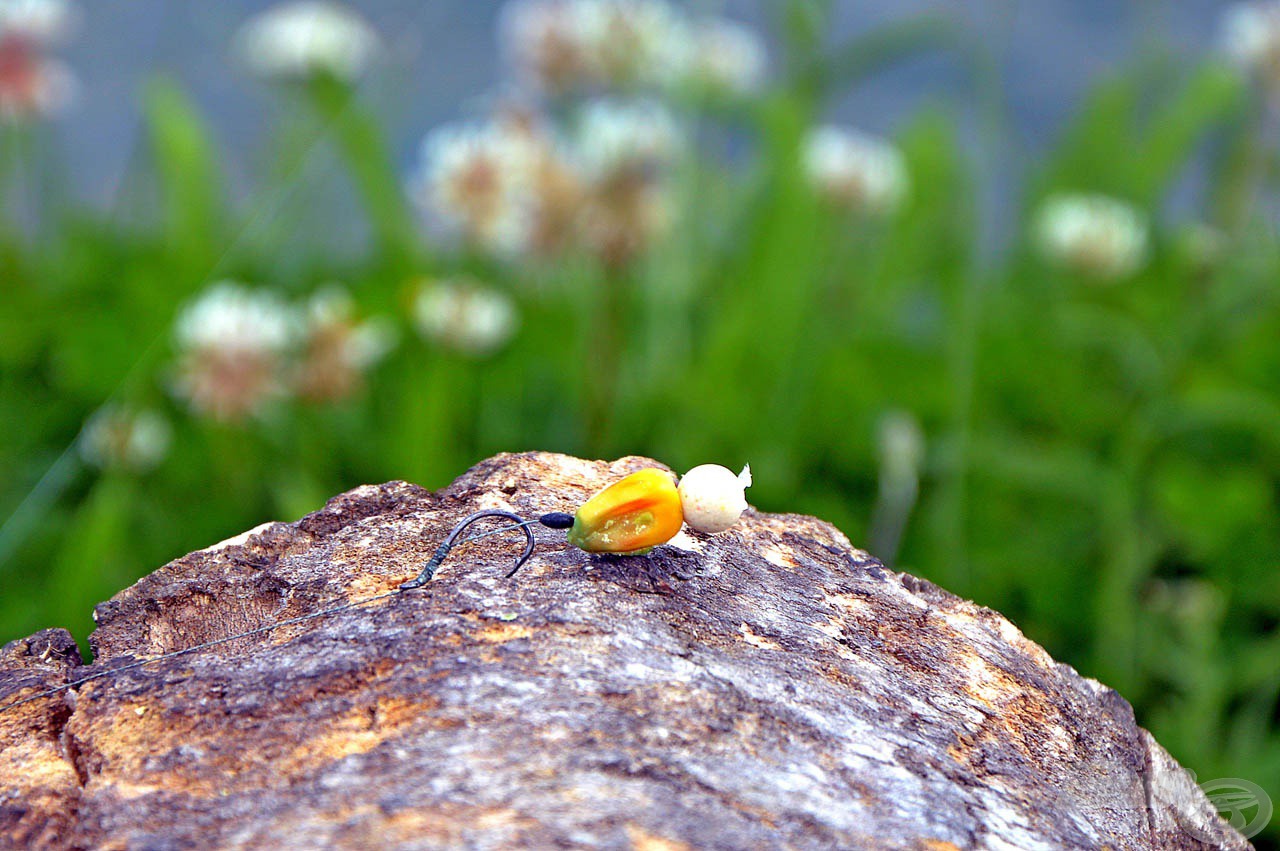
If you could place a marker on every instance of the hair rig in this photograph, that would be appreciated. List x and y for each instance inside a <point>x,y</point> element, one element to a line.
<point>629,517</point>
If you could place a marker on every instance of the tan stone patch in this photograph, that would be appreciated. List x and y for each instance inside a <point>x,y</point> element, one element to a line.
<point>34,764</point>
<point>357,732</point>
<point>756,640</point>
<point>643,840</point>
<point>775,554</point>
<point>500,633</point>
<point>851,603</point>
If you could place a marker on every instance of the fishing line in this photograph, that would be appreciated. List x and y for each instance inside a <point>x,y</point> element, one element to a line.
<point>195,648</point>
<point>554,521</point>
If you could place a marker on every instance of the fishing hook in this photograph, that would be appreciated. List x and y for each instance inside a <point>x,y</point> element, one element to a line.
<point>554,520</point>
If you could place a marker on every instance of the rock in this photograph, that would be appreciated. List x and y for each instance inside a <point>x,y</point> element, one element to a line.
<point>768,687</point>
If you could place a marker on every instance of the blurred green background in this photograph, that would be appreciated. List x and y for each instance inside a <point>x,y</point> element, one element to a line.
<point>620,251</point>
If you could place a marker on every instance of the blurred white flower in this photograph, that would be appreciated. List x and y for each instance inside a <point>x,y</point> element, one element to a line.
<point>559,194</point>
<point>337,350</point>
<point>41,22</point>
<point>900,441</point>
<point>555,187</point>
<point>626,135</point>
<point>1190,603</point>
<point>727,56</point>
<point>300,39</point>
<point>569,45</point>
<point>546,43</point>
<point>230,315</point>
<point>124,439</point>
<point>32,84</point>
<point>624,214</point>
<point>626,147</point>
<point>855,170</point>
<point>464,316</point>
<point>511,186</point>
<point>636,42</point>
<point>477,179</point>
<point>1251,37</point>
<point>1095,235</point>
<point>232,343</point>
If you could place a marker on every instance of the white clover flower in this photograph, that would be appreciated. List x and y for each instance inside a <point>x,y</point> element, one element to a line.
<point>636,42</point>
<point>338,350</point>
<point>727,56</point>
<point>1251,37</point>
<point>546,42</point>
<point>713,498</point>
<point>464,316</point>
<point>228,315</point>
<point>624,215</point>
<point>363,343</point>
<point>625,148</point>
<point>41,22</point>
<point>232,343</point>
<point>570,45</point>
<point>855,170</point>
<point>300,39</point>
<point>1095,235</point>
<point>556,185</point>
<point>560,195</point>
<point>627,135</point>
<point>125,439</point>
<point>478,179</point>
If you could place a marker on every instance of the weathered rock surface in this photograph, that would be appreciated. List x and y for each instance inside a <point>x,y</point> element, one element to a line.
<point>765,688</point>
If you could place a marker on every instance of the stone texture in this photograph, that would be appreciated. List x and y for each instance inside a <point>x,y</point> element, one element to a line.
<point>768,687</point>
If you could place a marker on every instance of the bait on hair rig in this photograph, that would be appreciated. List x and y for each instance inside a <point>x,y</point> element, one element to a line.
<point>629,517</point>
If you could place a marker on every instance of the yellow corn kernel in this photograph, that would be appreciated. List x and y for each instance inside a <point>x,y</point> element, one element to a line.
<point>631,515</point>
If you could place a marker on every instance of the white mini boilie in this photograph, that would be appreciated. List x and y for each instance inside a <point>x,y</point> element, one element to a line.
<point>713,498</point>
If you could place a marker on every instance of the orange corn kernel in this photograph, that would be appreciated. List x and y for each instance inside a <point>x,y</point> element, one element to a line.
<point>631,515</point>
